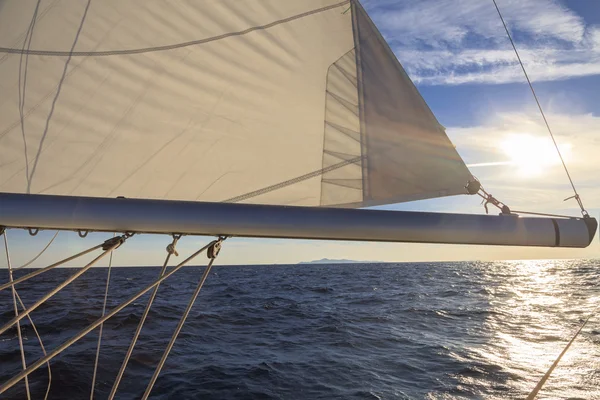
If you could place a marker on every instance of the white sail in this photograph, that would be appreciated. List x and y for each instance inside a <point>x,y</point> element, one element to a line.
<point>272,102</point>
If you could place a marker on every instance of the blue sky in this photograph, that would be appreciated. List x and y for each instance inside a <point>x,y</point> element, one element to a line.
<point>457,53</point>
<point>460,57</point>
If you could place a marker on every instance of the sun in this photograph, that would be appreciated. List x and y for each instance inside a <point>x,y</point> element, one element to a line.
<point>532,155</point>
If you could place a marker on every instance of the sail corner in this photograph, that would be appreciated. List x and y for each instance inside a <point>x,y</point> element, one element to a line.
<point>473,186</point>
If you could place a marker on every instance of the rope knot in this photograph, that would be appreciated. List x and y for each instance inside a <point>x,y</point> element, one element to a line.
<point>171,249</point>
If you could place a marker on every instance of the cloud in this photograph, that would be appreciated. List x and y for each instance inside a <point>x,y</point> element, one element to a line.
<point>576,135</point>
<point>451,21</point>
<point>463,41</point>
<point>499,66</point>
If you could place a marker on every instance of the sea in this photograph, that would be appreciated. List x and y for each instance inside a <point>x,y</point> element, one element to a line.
<point>452,330</point>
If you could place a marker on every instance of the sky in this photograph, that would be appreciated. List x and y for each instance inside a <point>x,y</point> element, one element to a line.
<point>458,55</point>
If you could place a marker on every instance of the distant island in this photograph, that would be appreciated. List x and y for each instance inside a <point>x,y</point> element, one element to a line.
<point>334,261</point>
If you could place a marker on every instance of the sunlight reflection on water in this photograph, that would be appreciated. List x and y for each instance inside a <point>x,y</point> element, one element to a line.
<point>465,330</point>
<point>544,303</point>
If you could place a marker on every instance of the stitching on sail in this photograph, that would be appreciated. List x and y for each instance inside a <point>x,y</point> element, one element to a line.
<point>169,46</point>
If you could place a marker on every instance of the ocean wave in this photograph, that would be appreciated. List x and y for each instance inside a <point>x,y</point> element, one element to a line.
<point>435,330</point>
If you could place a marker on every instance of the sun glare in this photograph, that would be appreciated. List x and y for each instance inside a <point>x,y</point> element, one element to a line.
<point>533,155</point>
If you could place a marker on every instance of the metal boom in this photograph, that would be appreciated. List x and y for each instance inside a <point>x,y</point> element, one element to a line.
<point>267,221</point>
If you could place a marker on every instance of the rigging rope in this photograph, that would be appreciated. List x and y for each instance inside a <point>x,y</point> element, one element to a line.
<point>17,378</point>
<point>101,325</point>
<point>39,254</point>
<point>576,196</point>
<point>39,338</point>
<point>170,250</point>
<point>109,246</point>
<point>542,381</point>
<point>14,296</point>
<point>49,267</point>
<point>212,252</point>
<point>489,199</point>
<point>37,334</point>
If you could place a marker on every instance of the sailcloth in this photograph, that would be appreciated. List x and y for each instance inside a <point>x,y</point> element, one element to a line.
<point>255,101</point>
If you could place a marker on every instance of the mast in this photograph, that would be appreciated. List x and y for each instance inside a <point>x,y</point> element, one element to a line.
<point>272,221</point>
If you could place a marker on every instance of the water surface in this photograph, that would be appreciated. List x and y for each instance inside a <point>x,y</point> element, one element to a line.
<point>365,331</point>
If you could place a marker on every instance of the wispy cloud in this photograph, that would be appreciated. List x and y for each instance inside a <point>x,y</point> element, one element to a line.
<point>463,41</point>
<point>576,135</point>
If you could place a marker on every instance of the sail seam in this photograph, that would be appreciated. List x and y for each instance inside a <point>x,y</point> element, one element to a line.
<point>59,53</point>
